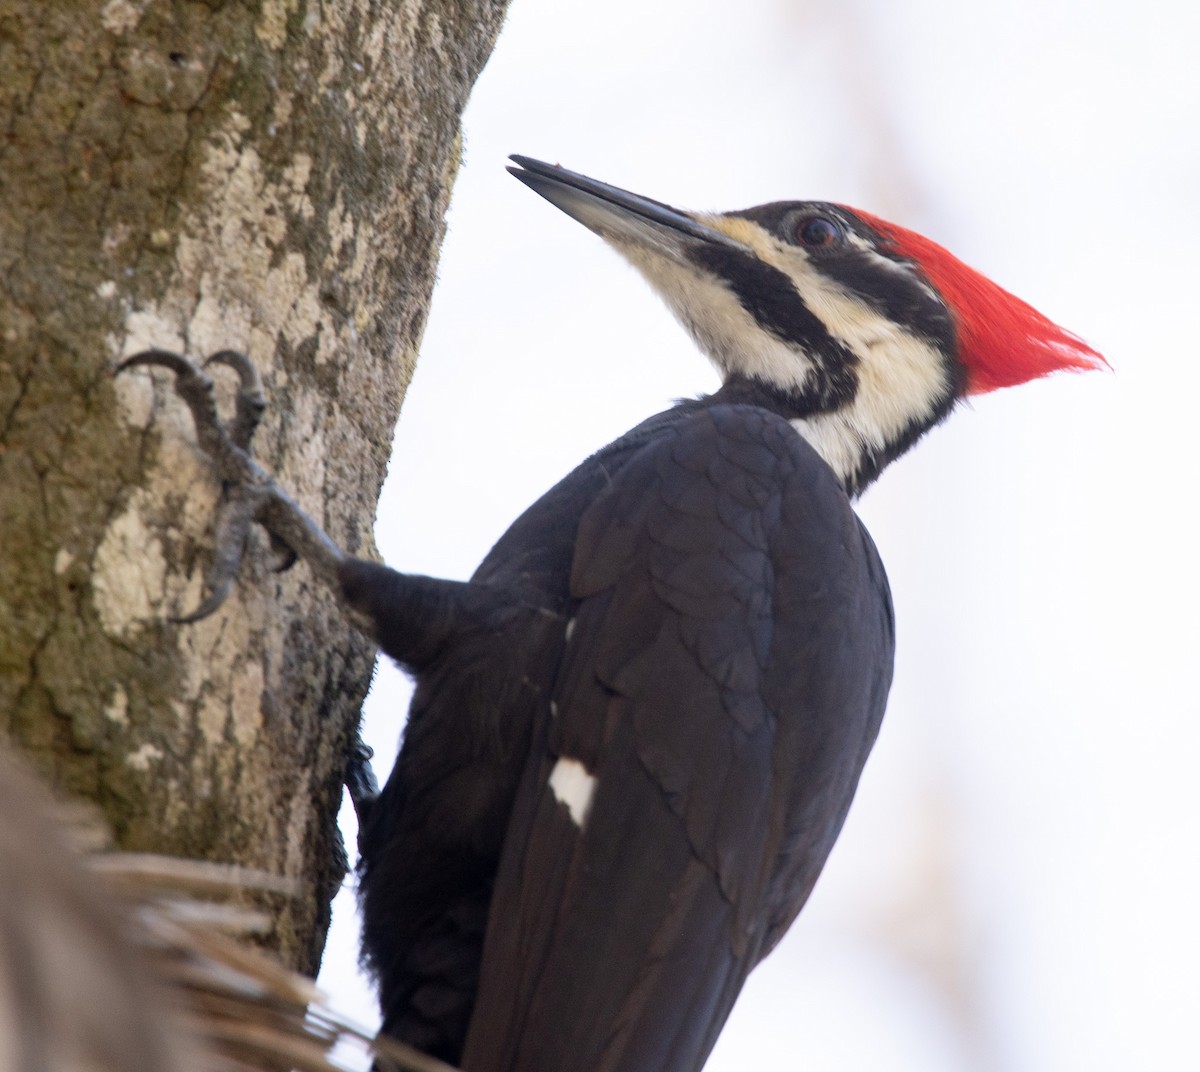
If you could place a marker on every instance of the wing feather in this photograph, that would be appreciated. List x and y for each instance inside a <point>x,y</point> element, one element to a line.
<point>723,680</point>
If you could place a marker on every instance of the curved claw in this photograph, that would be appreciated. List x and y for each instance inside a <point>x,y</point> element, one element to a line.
<point>251,399</point>
<point>195,387</point>
<point>286,555</point>
<point>360,778</point>
<point>242,477</point>
<point>251,495</point>
<point>210,604</point>
<point>245,368</point>
<point>177,363</point>
<point>234,517</point>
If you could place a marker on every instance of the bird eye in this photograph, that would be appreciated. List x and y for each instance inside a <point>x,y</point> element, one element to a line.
<point>819,232</point>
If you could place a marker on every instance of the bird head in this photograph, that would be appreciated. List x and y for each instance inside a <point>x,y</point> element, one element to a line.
<point>864,334</point>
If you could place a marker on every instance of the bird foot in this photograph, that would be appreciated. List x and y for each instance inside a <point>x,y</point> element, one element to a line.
<point>250,492</point>
<point>360,779</point>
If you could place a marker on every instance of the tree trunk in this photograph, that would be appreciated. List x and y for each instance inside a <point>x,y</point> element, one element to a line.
<point>270,177</point>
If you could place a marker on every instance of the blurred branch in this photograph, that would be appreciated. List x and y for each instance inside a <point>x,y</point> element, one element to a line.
<point>132,962</point>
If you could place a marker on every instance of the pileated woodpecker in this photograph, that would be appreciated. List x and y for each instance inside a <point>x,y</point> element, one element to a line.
<point>638,728</point>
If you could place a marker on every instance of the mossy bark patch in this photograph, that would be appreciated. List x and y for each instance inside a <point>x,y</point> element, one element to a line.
<point>269,177</point>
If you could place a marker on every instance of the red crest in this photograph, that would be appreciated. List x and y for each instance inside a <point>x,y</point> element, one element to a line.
<point>1003,341</point>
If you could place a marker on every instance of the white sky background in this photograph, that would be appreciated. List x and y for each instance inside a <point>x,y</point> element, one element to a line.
<point>1018,886</point>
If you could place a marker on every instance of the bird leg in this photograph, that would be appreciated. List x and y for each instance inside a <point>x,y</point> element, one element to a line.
<point>415,619</point>
<point>360,780</point>
<point>250,493</point>
<point>410,616</point>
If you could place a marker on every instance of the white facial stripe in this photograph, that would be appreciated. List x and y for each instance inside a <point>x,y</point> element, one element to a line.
<point>573,785</point>
<point>726,334</point>
<point>901,376</point>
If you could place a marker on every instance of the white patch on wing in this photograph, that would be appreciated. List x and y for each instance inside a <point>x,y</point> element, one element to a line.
<point>569,630</point>
<point>573,785</point>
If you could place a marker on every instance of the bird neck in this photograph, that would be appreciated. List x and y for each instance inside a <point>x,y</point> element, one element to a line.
<point>850,440</point>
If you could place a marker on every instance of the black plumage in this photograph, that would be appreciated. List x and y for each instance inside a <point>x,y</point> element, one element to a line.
<point>728,660</point>
<point>637,729</point>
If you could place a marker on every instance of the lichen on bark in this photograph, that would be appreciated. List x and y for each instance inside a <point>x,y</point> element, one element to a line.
<point>270,177</point>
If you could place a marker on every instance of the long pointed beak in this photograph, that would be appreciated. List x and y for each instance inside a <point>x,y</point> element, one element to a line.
<point>613,213</point>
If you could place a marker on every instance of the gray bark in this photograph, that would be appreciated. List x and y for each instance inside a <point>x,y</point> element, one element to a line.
<point>270,177</point>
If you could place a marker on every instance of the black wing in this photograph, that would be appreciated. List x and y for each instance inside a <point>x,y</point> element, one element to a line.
<point>722,683</point>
